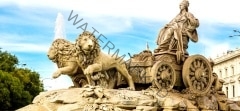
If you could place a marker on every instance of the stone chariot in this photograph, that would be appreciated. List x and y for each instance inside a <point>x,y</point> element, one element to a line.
<point>163,70</point>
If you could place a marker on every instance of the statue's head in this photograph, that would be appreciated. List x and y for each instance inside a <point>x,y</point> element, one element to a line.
<point>184,5</point>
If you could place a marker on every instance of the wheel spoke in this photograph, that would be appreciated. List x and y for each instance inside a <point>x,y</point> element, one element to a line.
<point>159,69</point>
<point>191,74</point>
<point>163,68</point>
<point>198,63</point>
<point>204,81</point>
<point>167,84</point>
<point>202,66</point>
<point>192,68</point>
<point>193,78</point>
<point>195,64</point>
<point>203,86</point>
<point>205,75</point>
<point>205,69</point>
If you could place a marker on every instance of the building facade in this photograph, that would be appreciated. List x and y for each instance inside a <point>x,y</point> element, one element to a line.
<point>227,68</point>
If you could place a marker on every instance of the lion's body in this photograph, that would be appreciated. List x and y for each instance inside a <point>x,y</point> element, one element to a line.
<point>63,53</point>
<point>93,60</point>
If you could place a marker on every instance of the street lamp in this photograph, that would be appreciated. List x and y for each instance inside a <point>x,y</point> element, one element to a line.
<point>22,65</point>
<point>235,31</point>
<point>45,86</point>
<point>45,79</point>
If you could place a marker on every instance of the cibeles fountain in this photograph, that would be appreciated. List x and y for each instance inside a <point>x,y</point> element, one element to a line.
<point>173,80</point>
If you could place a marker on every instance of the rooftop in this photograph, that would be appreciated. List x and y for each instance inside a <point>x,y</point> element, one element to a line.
<point>226,56</point>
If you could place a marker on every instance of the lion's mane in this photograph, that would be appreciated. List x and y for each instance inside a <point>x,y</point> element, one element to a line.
<point>87,59</point>
<point>64,51</point>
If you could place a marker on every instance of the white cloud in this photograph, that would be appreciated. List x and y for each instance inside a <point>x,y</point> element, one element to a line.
<point>24,47</point>
<point>23,43</point>
<point>213,48</point>
<point>103,24</point>
<point>225,11</point>
<point>27,17</point>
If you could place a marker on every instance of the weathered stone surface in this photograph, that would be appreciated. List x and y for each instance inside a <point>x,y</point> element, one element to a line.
<point>100,99</point>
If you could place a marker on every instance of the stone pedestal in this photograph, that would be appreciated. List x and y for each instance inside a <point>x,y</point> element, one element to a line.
<point>100,99</point>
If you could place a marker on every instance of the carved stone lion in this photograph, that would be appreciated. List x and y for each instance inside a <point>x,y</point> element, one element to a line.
<point>63,53</point>
<point>93,60</point>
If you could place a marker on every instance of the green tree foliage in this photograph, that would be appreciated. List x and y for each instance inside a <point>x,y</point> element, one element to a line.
<point>8,62</point>
<point>18,86</point>
<point>30,80</point>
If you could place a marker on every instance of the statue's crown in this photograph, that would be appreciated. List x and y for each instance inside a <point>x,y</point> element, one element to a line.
<point>185,3</point>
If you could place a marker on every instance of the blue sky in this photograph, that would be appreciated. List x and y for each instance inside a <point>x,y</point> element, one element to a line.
<point>27,27</point>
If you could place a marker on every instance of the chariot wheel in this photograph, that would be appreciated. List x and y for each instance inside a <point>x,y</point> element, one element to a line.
<point>164,75</point>
<point>197,74</point>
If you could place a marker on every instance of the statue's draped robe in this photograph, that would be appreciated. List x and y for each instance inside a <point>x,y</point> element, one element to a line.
<point>180,29</point>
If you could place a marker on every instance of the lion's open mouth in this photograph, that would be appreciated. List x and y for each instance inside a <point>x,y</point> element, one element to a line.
<point>87,50</point>
<point>51,58</point>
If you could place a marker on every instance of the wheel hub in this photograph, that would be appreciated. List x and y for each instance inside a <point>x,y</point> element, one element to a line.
<point>199,73</point>
<point>164,75</point>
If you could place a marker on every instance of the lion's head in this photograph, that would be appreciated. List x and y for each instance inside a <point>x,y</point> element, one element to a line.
<point>87,42</point>
<point>88,47</point>
<point>60,50</point>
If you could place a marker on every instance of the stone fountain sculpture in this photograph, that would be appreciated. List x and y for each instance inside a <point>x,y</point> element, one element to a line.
<point>173,80</point>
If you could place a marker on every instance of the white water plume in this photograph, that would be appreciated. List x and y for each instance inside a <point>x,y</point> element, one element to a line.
<point>59,27</point>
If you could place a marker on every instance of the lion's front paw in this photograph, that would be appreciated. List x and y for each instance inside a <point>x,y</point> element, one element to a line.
<point>131,88</point>
<point>88,71</point>
<point>56,74</point>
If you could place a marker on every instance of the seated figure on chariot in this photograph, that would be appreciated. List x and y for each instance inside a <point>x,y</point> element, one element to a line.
<point>174,37</point>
